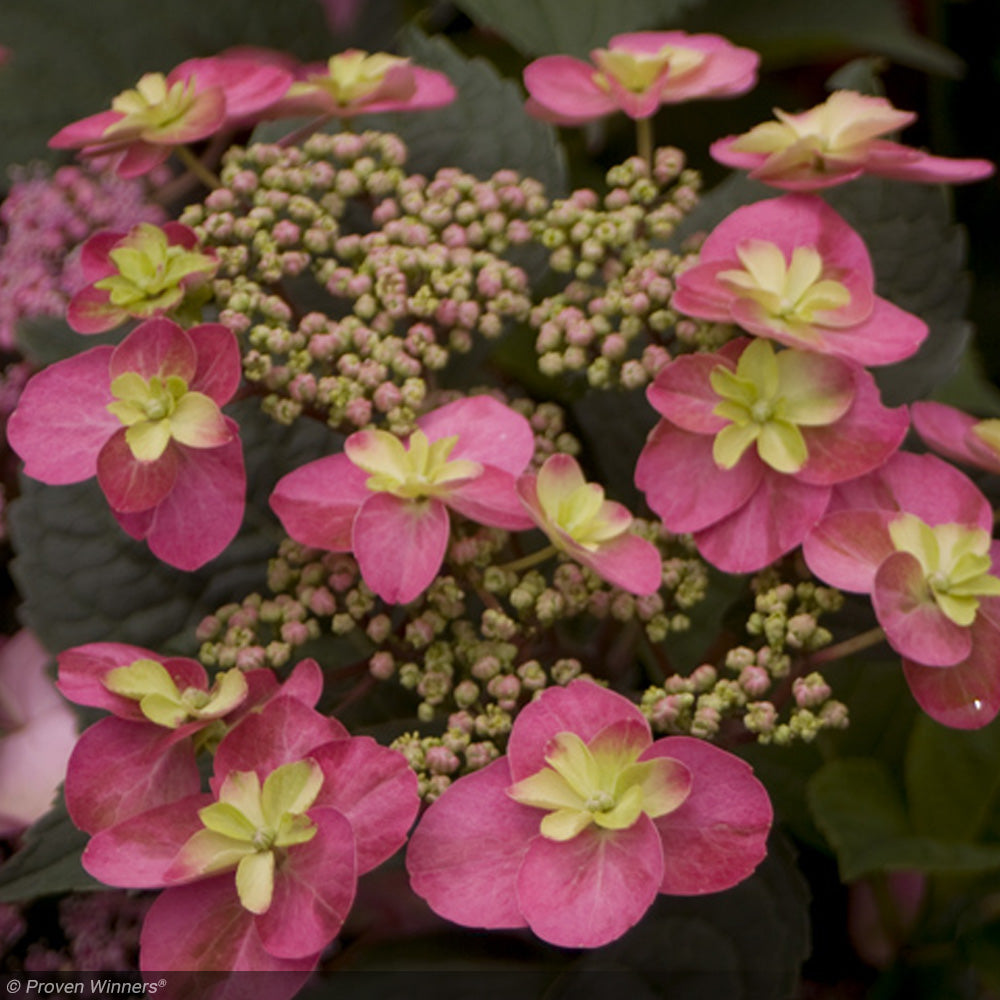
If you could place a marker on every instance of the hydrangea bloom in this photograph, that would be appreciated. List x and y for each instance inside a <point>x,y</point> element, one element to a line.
<point>356,82</point>
<point>585,820</point>
<point>387,501</point>
<point>145,418</point>
<point>636,74</point>
<point>163,713</point>
<point>753,442</point>
<point>262,871</point>
<point>579,521</point>
<point>835,142</point>
<point>792,270</point>
<point>148,271</point>
<point>37,734</point>
<point>192,102</point>
<point>916,535</point>
<point>957,435</point>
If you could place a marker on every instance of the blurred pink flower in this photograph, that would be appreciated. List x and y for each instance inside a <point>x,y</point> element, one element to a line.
<point>835,142</point>
<point>636,74</point>
<point>790,269</point>
<point>957,435</point>
<point>585,820</point>
<point>37,734</point>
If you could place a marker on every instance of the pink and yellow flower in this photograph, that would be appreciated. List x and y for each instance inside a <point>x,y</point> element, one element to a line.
<point>594,531</point>
<point>957,435</point>
<point>145,418</point>
<point>261,872</point>
<point>753,442</point>
<point>916,536</point>
<point>387,500</point>
<point>790,269</point>
<point>835,142</point>
<point>146,272</point>
<point>585,821</point>
<point>637,73</point>
<point>355,82</point>
<point>195,100</point>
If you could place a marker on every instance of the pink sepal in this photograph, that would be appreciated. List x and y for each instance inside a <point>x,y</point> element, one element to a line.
<point>317,502</point>
<point>90,311</point>
<point>181,934</point>
<point>219,361</point>
<point>718,835</point>
<point>152,766</point>
<point>132,485</point>
<point>400,545</point>
<point>250,86</point>
<point>587,891</point>
<point>85,132</point>
<point>914,624</point>
<point>137,852</point>
<point>628,561</point>
<point>847,547</point>
<point>157,347</point>
<point>583,707</point>
<point>61,421</point>
<point>901,163</point>
<point>683,393</point>
<point>314,885</point>
<point>563,88</point>
<point>375,789</point>
<point>492,499</point>
<point>949,432</point>
<point>464,856</point>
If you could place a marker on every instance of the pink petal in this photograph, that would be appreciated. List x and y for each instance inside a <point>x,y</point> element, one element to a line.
<point>204,928</point>
<point>86,131</point>
<point>901,163</point>
<point>249,85</point>
<point>400,545</point>
<point>317,503</point>
<point>464,856</point>
<point>314,888</point>
<point>683,393</point>
<point>718,835</point>
<point>488,432</point>
<point>132,485</point>
<point>91,311</point>
<point>375,789</point>
<point>219,362</point>
<point>60,440</point>
<point>565,88</point>
<point>628,561</point>
<point>914,625</point>
<point>139,158</point>
<point>847,547</point>
<point>137,852</point>
<point>156,347</point>
<point>95,259</point>
<point>772,522</point>
<point>201,515</point>
<point>283,732</point>
<point>492,499</point>
<point>82,670</point>
<point>888,335</point>
<point>966,695</point>
<point>584,708</point>
<point>305,683</point>
<point>431,89</point>
<point>152,766</point>
<point>683,484</point>
<point>587,891</point>
<point>948,431</point>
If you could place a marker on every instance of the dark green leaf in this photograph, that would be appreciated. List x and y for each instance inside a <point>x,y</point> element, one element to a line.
<point>484,130</point>
<point>860,809</point>
<point>541,27</point>
<point>970,388</point>
<point>84,580</point>
<point>49,861</point>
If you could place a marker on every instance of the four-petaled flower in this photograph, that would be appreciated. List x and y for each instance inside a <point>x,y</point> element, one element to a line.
<point>636,74</point>
<point>585,820</point>
<point>835,142</point>
<point>753,442</point>
<point>143,273</point>
<point>145,418</point>
<point>387,500</point>
<point>790,269</point>
<point>926,557</point>
<point>579,521</point>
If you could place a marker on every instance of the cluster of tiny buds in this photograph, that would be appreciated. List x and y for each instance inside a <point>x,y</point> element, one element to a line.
<point>786,616</point>
<point>612,318</point>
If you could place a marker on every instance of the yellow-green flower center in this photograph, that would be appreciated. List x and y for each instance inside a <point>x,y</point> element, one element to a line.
<point>790,293</point>
<point>580,512</point>
<point>351,76</point>
<point>603,783</point>
<point>161,701</point>
<point>955,560</point>
<point>766,401</point>
<point>251,825</point>
<point>638,71</point>
<point>413,471</point>
<point>988,431</point>
<point>152,105</point>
